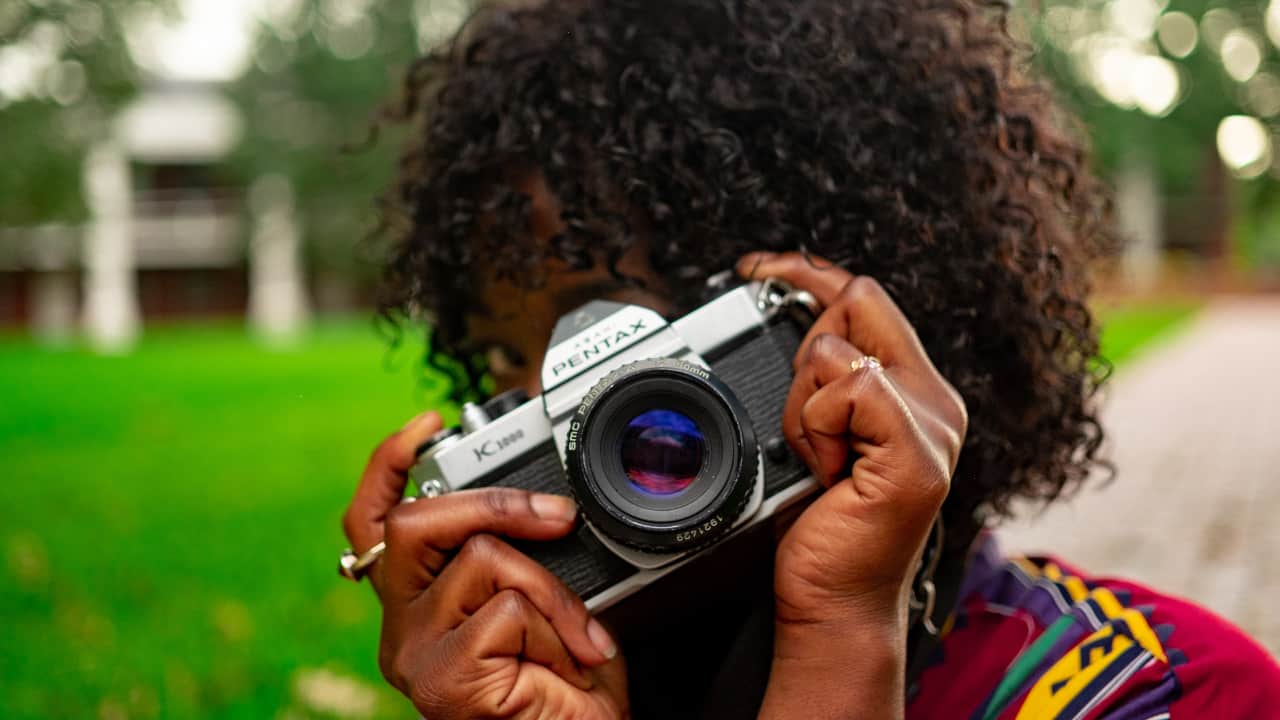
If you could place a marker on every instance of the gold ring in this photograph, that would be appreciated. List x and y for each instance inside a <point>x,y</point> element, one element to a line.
<point>866,362</point>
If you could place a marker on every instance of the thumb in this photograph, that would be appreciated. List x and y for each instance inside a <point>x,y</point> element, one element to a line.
<point>611,684</point>
<point>543,695</point>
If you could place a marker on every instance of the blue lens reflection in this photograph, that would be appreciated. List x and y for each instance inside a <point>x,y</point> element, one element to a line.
<point>662,452</point>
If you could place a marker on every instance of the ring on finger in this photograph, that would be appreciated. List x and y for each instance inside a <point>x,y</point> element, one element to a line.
<point>866,362</point>
<point>354,567</point>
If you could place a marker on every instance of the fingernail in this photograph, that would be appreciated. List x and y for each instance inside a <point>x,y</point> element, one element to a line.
<point>600,638</point>
<point>420,417</point>
<point>553,507</point>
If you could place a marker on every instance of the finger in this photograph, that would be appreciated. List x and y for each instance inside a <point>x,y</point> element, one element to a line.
<point>865,315</point>
<point>941,415</point>
<point>508,626</point>
<point>864,412</point>
<point>487,566</point>
<point>420,536</point>
<point>611,680</point>
<point>823,278</point>
<point>382,483</point>
<point>542,695</point>
<point>823,361</point>
<point>857,307</point>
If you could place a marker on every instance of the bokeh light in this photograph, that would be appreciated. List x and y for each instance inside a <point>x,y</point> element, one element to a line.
<point>347,29</point>
<point>1263,94</point>
<point>1215,25</point>
<point>1271,22</point>
<point>1241,54</point>
<point>1110,60</point>
<point>66,82</point>
<point>1177,34</point>
<point>1244,145</point>
<point>1128,77</point>
<point>437,20</point>
<point>1136,19</point>
<point>208,42</point>
<point>27,67</point>
<point>1155,85</point>
<point>281,15</point>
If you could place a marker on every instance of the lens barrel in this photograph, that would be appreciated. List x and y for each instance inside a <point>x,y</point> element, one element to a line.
<point>661,456</point>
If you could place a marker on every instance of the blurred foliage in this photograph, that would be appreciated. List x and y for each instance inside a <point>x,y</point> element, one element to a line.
<point>311,103</point>
<point>1179,145</point>
<point>45,132</point>
<point>321,69</point>
<point>1257,227</point>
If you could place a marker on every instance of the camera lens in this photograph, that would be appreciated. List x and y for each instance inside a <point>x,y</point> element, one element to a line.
<point>661,456</point>
<point>662,452</point>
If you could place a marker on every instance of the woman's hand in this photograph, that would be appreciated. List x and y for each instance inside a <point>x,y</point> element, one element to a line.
<point>844,570</point>
<point>471,627</point>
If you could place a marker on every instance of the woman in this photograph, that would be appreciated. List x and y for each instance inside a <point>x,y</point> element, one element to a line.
<point>888,157</point>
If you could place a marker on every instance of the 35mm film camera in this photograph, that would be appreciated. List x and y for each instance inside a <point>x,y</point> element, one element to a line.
<point>668,435</point>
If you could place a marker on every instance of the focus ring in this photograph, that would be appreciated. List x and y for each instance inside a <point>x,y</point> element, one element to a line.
<point>733,511</point>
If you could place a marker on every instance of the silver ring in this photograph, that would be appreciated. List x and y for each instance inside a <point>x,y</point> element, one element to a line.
<point>354,567</point>
<point>866,362</point>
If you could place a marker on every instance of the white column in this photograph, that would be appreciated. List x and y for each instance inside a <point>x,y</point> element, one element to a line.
<point>111,315</point>
<point>1138,210</point>
<point>52,294</point>
<point>278,307</point>
<point>53,306</point>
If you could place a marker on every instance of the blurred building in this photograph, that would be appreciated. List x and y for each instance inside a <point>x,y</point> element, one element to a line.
<point>166,236</point>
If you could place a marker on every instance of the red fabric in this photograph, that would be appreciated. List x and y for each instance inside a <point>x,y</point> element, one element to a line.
<point>1210,669</point>
<point>976,654</point>
<point>1226,673</point>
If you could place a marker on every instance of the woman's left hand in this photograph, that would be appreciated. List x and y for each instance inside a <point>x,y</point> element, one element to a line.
<point>844,570</point>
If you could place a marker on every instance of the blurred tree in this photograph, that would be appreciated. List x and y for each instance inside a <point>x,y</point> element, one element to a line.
<point>321,71</point>
<point>1154,80</point>
<point>1109,66</point>
<point>65,70</point>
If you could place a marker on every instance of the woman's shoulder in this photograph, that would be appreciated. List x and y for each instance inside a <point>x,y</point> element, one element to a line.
<point>1037,638</point>
<point>1220,671</point>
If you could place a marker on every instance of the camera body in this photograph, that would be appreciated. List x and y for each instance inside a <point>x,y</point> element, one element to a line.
<point>668,435</point>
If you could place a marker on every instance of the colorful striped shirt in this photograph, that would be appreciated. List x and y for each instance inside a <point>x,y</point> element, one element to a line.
<point>1034,638</point>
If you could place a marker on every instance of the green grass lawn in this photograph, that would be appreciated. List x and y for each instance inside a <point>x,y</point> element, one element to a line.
<point>170,521</point>
<point>171,524</point>
<point>1127,329</point>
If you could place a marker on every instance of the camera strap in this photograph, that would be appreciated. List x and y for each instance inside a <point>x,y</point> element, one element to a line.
<point>924,594</point>
<point>931,608</point>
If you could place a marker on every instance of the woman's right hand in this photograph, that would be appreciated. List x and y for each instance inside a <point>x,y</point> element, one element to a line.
<point>470,626</point>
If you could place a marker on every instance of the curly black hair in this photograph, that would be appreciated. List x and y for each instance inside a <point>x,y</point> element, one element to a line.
<point>903,139</point>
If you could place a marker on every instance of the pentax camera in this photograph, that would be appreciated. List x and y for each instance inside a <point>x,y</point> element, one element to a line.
<point>668,435</point>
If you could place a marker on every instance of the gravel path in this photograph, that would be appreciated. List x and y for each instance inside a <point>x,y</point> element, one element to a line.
<point>1194,430</point>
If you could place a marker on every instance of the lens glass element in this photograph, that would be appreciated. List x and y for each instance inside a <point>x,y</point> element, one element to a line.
<point>662,452</point>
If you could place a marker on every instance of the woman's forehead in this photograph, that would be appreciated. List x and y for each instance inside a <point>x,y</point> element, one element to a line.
<point>511,313</point>
<point>562,291</point>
